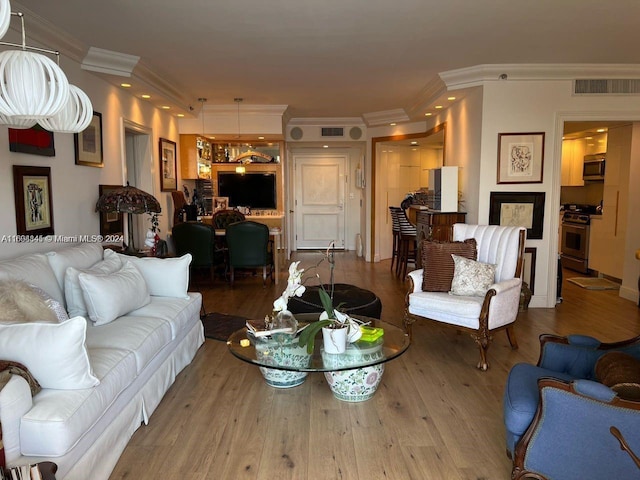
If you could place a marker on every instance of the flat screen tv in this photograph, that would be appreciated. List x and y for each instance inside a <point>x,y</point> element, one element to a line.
<point>255,190</point>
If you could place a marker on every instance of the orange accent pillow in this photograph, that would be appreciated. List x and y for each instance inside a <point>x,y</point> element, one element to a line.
<point>438,264</point>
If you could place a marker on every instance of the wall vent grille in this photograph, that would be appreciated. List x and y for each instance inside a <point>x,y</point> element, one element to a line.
<point>332,132</point>
<point>607,87</point>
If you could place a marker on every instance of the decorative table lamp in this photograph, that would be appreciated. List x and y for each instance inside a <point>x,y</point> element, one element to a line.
<point>128,200</point>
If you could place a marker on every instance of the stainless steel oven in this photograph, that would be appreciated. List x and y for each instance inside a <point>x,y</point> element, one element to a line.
<point>574,247</point>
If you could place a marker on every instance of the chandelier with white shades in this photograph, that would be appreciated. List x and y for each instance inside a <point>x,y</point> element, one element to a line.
<point>34,89</point>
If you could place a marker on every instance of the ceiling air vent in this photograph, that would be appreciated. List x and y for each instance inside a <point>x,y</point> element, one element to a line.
<point>332,132</point>
<point>607,87</point>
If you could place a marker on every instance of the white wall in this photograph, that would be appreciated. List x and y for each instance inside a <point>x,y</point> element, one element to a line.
<point>540,106</point>
<point>75,187</point>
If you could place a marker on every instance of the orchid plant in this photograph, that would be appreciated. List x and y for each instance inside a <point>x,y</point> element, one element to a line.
<point>295,287</point>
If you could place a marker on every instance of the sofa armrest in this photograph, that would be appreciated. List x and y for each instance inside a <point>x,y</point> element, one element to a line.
<point>15,402</point>
<point>416,277</point>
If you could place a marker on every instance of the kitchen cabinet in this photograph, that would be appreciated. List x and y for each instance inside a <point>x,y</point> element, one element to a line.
<point>195,157</point>
<point>573,152</point>
<point>608,233</point>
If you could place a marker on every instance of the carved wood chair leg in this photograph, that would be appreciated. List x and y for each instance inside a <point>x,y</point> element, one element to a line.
<point>407,323</point>
<point>511,336</point>
<point>483,345</point>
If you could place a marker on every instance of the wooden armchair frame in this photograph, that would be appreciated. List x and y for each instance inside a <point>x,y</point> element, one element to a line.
<point>483,335</point>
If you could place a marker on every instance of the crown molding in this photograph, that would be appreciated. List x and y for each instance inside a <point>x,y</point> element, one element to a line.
<point>386,117</point>
<point>47,34</point>
<point>110,62</point>
<point>477,75</point>
<point>429,94</point>
<point>325,121</point>
<point>245,109</point>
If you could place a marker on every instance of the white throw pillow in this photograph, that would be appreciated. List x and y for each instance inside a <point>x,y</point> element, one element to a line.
<point>73,291</point>
<point>165,277</point>
<point>109,296</point>
<point>54,353</point>
<point>33,268</point>
<point>82,255</point>
<point>470,277</point>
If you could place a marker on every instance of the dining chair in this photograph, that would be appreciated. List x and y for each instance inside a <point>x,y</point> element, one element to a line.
<point>249,247</point>
<point>197,239</point>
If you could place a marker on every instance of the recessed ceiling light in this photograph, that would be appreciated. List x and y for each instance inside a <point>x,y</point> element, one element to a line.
<point>589,138</point>
<point>393,124</point>
<point>125,85</point>
<point>601,130</point>
<point>181,115</point>
<point>145,95</point>
<point>414,143</point>
<point>260,138</point>
<point>325,146</point>
<point>451,98</point>
<point>438,106</point>
<point>166,107</point>
<point>428,114</point>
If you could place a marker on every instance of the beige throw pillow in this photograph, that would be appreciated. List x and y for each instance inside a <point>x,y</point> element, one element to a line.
<point>471,278</point>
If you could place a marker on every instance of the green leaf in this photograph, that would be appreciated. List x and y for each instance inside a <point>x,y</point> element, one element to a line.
<point>327,303</point>
<point>307,336</point>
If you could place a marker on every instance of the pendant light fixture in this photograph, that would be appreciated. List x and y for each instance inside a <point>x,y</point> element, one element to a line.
<point>18,123</point>
<point>5,17</point>
<point>75,116</point>
<point>31,85</point>
<point>33,88</point>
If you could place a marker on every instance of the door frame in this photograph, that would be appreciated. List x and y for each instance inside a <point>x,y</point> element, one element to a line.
<point>374,178</point>
<point>320,154</point>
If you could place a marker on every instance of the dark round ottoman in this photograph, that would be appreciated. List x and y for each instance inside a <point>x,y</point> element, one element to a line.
<point>354,300</point>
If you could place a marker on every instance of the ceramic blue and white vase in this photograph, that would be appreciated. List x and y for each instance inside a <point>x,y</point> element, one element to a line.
<point>285,352</point>
<point>356,384</point>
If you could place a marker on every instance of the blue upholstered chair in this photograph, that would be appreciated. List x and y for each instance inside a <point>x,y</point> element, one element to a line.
<point>562,423</point>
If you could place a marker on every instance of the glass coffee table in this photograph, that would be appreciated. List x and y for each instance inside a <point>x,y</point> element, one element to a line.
<point>353,376</point>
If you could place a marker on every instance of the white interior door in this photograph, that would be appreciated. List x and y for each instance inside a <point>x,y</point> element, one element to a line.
<point>319,200</point>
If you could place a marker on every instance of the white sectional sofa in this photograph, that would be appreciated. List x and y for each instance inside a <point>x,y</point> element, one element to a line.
<point>103,373</point>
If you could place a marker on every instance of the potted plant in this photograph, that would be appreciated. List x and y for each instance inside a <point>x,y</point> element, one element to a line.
<point>337,328</point>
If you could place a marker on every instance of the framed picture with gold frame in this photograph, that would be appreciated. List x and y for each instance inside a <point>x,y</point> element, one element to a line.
<point>34,207</point>
<point>168,166</point>
<point>88,143</point>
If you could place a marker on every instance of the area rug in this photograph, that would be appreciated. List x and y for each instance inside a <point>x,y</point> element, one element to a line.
<point>219,326</point>
<point>594,283</point>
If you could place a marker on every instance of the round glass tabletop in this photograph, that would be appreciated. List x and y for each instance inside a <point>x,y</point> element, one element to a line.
<point>281,351</point>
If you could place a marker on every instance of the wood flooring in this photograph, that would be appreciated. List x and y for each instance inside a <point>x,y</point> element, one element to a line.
<point>434,416</point>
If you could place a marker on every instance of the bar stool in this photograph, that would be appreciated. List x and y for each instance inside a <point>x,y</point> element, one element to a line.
<point>395,230</point>
<point>407,245</point>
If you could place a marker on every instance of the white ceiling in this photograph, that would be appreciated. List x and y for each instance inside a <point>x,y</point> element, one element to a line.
<point>339,58</point>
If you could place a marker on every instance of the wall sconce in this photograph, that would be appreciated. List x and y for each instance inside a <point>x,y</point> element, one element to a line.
<point>241,169</point>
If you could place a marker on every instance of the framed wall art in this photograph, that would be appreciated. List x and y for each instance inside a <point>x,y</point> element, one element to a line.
<point>520,157</point>
<point>520,209</point>
<point>111,224</point>
<point>220,203</point>
<point>35,140</point>
<point>529,268</point>
<point>34,207</point>
<point>88,143</point>
<point>168,166</point>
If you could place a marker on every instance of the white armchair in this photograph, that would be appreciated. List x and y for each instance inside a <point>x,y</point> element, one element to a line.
<point>480,316</point>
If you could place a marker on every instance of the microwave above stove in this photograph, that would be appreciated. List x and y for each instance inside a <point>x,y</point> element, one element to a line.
<point>593,167</point>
